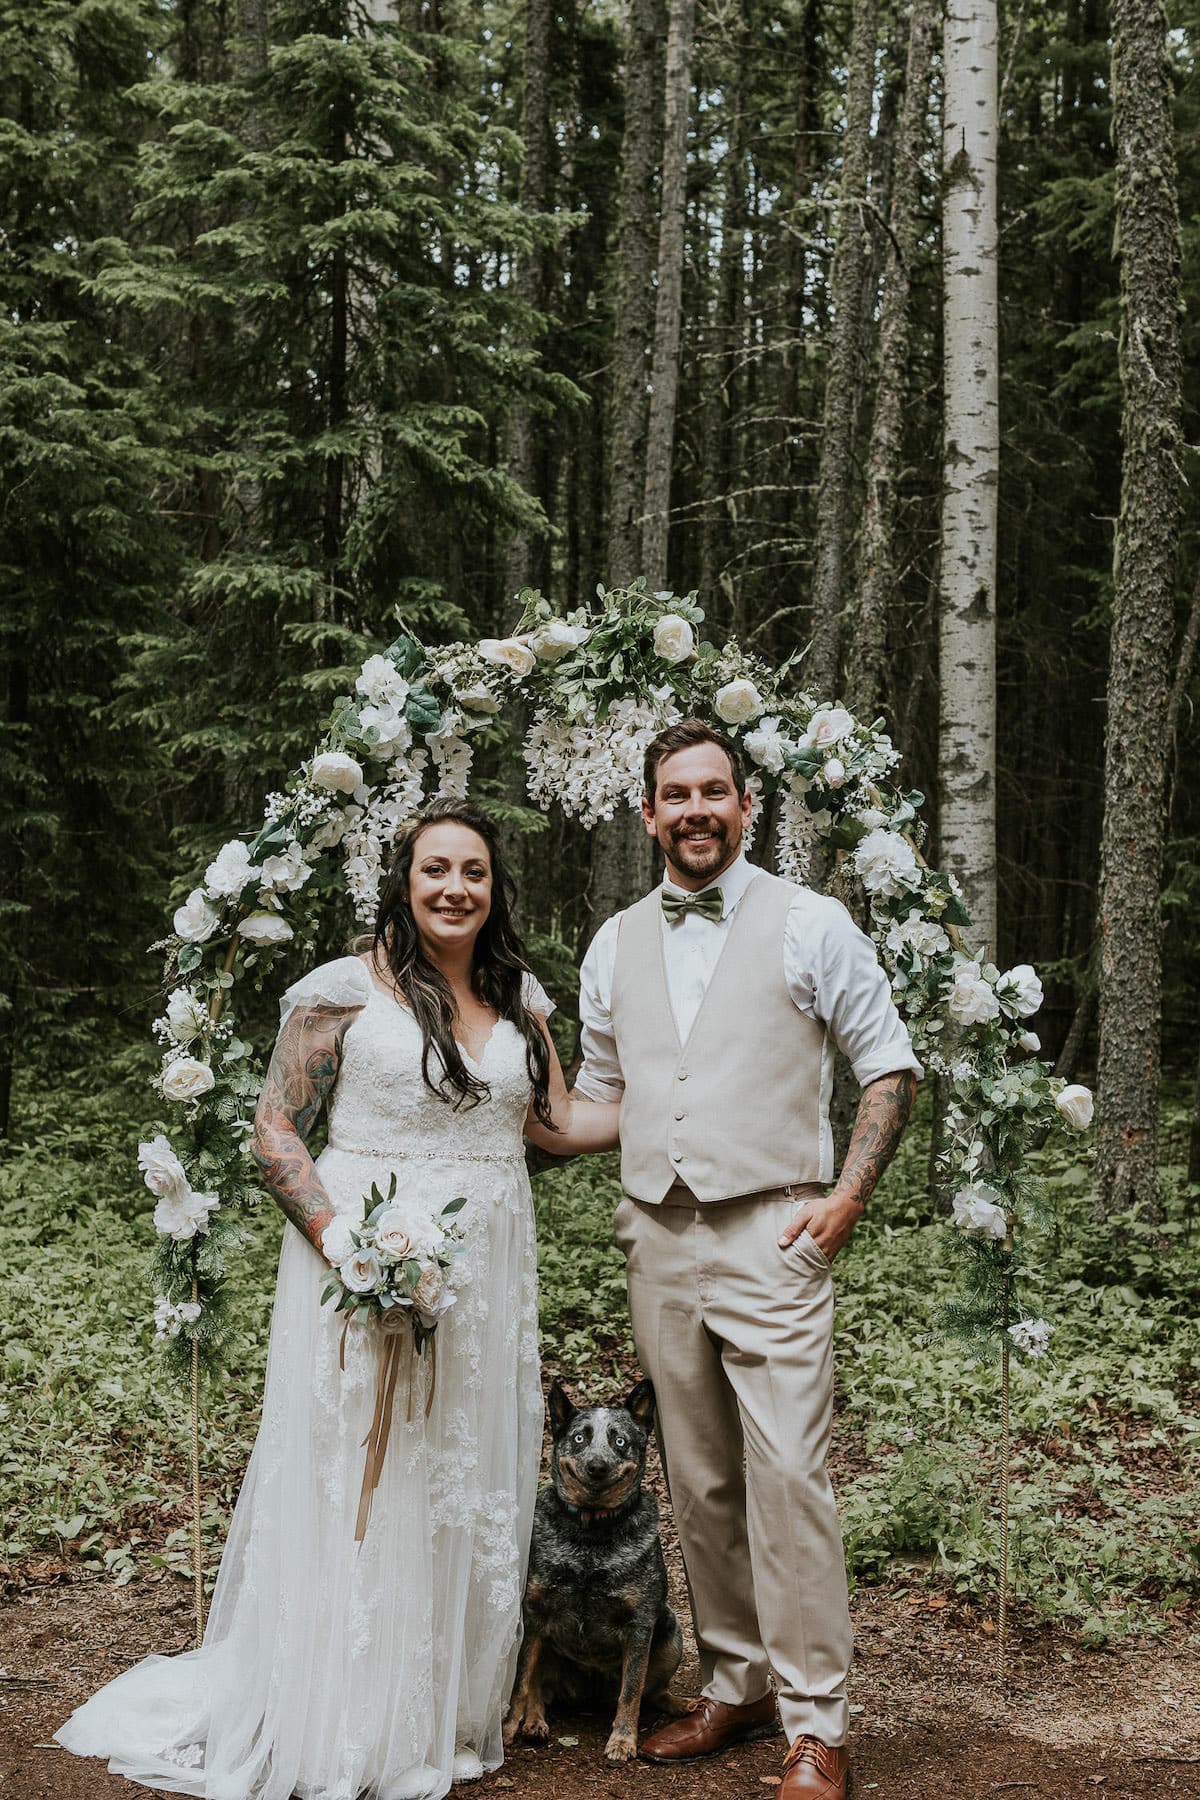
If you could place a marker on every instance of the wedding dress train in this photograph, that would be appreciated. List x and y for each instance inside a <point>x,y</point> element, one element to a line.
<point>330,1671</point>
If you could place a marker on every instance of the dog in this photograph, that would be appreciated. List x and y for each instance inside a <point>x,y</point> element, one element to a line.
<point>595,1613</point>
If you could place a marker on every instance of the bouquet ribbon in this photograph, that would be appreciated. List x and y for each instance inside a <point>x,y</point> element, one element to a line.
<point>395,1338</point>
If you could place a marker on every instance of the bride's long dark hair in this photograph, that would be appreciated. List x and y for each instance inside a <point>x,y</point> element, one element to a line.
<point>497,973</point>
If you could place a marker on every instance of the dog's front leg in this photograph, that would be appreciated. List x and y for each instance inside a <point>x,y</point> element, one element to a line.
<point>526,1712</point>
<point>622,1739</point>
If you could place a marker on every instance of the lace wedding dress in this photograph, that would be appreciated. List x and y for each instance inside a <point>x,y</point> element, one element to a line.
<point>329,1671</point>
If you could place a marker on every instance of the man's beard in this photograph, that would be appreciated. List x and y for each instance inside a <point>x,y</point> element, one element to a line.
<point>696,862</point>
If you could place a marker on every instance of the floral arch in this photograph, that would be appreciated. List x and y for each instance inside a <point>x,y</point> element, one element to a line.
<point>600,683</point>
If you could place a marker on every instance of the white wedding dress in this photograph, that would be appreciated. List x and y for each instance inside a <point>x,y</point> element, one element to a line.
<point>329,1671</point>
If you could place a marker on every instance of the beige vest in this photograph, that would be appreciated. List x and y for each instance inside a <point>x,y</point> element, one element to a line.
<point>737,1108</point>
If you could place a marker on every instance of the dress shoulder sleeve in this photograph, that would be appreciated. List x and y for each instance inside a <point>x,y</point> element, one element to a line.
<point>535,996</point>
<point>343,983</point>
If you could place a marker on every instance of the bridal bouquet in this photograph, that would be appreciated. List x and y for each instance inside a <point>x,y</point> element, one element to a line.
<point>393,1265</point>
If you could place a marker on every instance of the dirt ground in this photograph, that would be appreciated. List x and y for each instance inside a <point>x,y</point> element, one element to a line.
<point>929,1720</point>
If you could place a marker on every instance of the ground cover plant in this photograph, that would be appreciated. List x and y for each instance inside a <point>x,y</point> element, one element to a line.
<point>93,1436</point>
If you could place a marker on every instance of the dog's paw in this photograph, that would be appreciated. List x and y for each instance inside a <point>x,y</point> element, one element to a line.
<point>621,1746</point>
<point>526,1724</point>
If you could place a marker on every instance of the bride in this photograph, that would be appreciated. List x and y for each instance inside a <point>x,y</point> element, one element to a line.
<point>330,1670</point>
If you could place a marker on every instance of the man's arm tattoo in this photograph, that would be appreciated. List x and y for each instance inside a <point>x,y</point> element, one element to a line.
<point>882,1115</point>
<point>298,1083</point>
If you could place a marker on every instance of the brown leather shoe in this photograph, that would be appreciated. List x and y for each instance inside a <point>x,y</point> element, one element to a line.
<point>706,1727</point>
<point>815,1771</point>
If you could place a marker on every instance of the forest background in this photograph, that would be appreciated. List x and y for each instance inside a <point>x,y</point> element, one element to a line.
<point>318,323</point>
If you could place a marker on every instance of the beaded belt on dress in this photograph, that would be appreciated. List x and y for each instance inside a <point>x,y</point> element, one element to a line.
<point>457,1156</point>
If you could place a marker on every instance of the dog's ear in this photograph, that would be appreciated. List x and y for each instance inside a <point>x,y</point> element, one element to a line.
<point>640,1404</point>
<point>562,1408</point>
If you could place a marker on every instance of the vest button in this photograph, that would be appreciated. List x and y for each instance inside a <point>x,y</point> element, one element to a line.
<point>680,1115</point>
<point>683,1075</point>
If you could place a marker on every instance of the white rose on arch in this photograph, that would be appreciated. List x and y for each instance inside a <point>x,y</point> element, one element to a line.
<point>1020,991</point>
<point>827,727</point>
<point>971,1000</point>
<point>337,772</point>
<point>195,921</point>
<point>182,1215</point>
<point>186,1078</point>
<point>556,639</point>
<point>767,746</point>
<point>187,1015</point>
<point>229,872</point>
<point>479,698</point>
<point>738,702</point>
<point>1076,1106</point>
<point>886,863</point>
<point>162,1170</point>
<point>508,653</point>
<point>265,928</point>
<point>978,1208</point>
<point>674,639</point>
<point>381,682</point>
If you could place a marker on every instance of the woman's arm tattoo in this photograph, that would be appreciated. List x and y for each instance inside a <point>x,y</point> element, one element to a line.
<point>303,1070</point>
<point>883,1111</point>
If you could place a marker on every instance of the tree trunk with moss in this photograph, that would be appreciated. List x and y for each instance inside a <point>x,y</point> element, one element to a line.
<point>1139,681</point>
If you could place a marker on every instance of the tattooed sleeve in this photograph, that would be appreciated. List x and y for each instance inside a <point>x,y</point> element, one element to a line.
<point>303,1069</point>
<point>879,1124</point>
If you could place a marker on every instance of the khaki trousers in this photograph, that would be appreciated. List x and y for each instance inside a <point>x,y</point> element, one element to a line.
<point>736,1335</point>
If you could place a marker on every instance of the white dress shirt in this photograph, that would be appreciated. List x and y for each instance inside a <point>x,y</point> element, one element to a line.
<point>831,970</point>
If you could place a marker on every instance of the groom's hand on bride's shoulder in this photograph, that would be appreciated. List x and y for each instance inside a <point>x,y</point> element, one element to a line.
<point>829,1219</point>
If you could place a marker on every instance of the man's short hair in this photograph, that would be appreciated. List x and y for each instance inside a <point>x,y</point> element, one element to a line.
<point>685,736</point>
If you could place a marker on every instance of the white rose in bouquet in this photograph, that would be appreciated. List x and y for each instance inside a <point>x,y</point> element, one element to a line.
<point>1075,1104</point>
<point>265,928</point>
<point>185,1078</point>
<point>674,639</point>
<point>182,1215</point>
<point>432,1299</point>
<point>1029,1040</point>
<point>187,1015</point>
<point>361,1272</point>
<point>556,639</point>
<point>508,653</point>
<point>162,1170</point>
<point>337,772</point>
<point>738,702</point>
<point>392,1239</point>
<point>886,863</point>
<point>971,1000</point>
<point>337,1239</point>
<point>834,772</point>
<point>230,871</point>
<point>381,682</point>
<point>195,921</point>
<point>827,727</point>
<point>478,698</point>
<point>977,1208</point>
<point>1020,991</point>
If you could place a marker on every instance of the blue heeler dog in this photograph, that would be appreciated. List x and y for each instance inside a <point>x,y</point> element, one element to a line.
<point>595,1615</point>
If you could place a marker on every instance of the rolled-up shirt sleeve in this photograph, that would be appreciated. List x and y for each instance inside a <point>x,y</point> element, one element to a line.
<point>599,1076</point>
<point>834,974</point>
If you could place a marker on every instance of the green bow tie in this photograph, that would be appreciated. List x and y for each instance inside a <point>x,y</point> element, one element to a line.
<point>708,905</point>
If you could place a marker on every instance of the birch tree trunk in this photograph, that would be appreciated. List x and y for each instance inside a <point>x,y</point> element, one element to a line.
<point>633,324</point>
<point>668,314</point>
<point>971,461</point>
<point>1139,681</point>
<point>525,562</point>
<point>867,650</point>
<point>847,284</point>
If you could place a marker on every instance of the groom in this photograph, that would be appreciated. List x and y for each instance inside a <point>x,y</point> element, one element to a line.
<point>712,1006</point>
